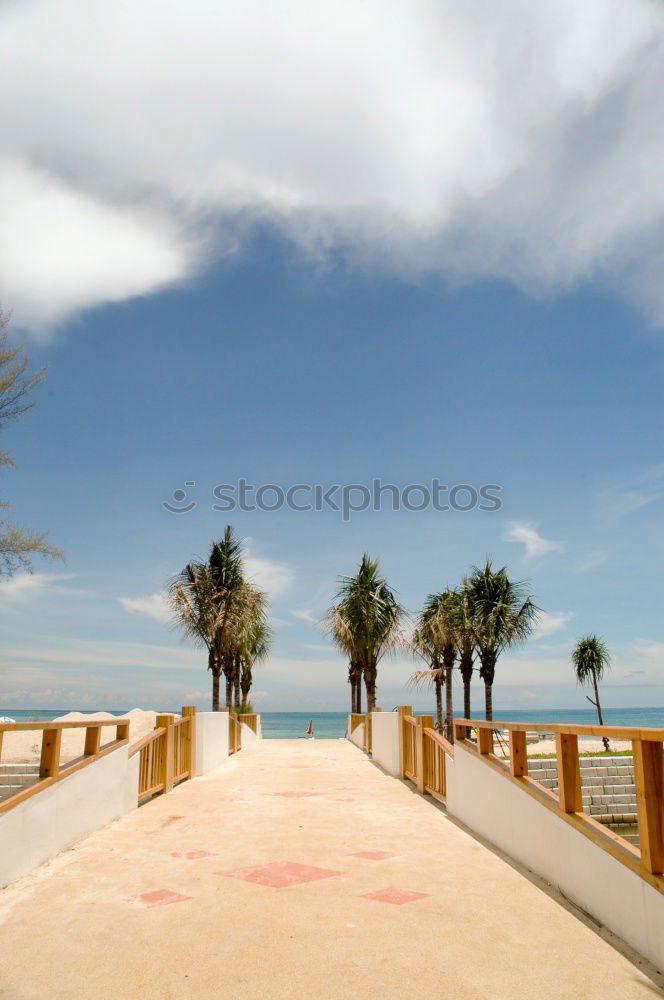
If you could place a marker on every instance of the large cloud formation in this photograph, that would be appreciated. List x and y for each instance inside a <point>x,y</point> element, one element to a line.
<point>515,140</point>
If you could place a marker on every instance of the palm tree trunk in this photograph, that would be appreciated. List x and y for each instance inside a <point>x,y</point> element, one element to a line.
<point>449,707</point>
<point>358,694</point>
<point>229,691</point>
<point>488,699</point>
<point>438,685</point>
<point>370,684</point>
<point>607,745</point>
<point>215,690</point>
<point>466,697</point>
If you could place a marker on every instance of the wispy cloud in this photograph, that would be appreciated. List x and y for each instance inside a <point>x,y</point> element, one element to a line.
<point>444,166</point>
<point>154,606</point>
<point>526,534</point>
<point>620,501</point>
<point>549,622</point>
<point>25,587</point>
<point>273,577</point>
<point>304,615</point>
<point>592,560</point>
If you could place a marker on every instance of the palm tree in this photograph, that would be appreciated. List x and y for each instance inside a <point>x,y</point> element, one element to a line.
<point>217,608</point>
<point>192,598</point>
<point>422,645</point>
<point>336,625</point>
<point>225,567</point>
<point>503,616</point>
<point>365,622</point>
<point>590,658</point>
<point>435,639</point>
<point>254,639</point>
<point>465,636</point>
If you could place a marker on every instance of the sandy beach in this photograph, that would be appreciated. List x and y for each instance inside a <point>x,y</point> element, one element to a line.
<point>24,746</point>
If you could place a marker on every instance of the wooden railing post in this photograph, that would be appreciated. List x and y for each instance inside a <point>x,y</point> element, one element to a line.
<point>402,711</point>
<point>649,781</point>
<point>49,764</point>
<point>423,722</point>
<point>485,740</point>
<point>518,754</point>
<point>92,741</point>
<point>166,722</point>
<point>569,773</point>
<point>460,732</point>
<point>189,712</point>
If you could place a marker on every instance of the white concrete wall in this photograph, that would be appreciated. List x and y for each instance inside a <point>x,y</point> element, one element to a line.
<point>248,735</point>
<point>357,736</point>
<point>62,814</point>
<point>385,741</point>
<point>211,740</point>
<point>508,817</point>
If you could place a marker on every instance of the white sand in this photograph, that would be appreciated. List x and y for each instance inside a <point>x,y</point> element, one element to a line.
<point>26,745</point>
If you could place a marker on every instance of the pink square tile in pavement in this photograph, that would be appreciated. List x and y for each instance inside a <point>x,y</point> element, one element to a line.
<point>191,855</point>
<point>159,897</point>
<point>280,874</point>
<point>396,896</point>
<point>374,855</point>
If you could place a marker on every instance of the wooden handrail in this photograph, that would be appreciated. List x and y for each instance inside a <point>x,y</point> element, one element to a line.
<point>648,756</point>
<point>17,727</point>
<point>611,732</point>
<point>249,719</point>
<point>144,740</point>
<point>50,767</point>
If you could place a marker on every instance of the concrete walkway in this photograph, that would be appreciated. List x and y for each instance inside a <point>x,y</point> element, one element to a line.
<point>296,871</point>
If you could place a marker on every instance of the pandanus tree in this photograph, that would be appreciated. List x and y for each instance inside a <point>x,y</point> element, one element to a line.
<point>365,623</point>
<point>590,658</point>
<point>503,615</point>
<point>216,607</point>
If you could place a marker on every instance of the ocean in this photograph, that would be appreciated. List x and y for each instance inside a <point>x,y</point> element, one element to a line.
<point>332,725</point>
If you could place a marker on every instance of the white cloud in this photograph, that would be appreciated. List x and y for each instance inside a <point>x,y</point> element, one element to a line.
<point>153,606</point>
<point>24,587</point>
<point>305,616</point>
<point>275,578</point>
<point>549,622</point>
<point>63,250</point>
<point>516,140</point>
<point>527,535</point>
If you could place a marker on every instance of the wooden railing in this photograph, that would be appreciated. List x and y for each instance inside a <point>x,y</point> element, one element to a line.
<point>422,752</point>
<point>234,733</point>
<point>51,769</point>
<point>356,719</point>
<point>168,753</point>
<point>250,719</point>
<point>648,755</point>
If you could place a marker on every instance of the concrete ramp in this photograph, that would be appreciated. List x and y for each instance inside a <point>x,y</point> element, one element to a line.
<point>298,871</point>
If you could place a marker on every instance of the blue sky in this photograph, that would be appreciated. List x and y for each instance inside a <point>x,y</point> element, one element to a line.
<point>286,326</point>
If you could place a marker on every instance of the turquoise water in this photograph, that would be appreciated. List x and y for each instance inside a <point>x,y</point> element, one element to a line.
<point>332,725</point>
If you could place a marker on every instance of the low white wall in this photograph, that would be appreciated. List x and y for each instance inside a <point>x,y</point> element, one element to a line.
<point>72,808</point>
<point>508,817</point>
<point>357,736</point>
<point>385,741</point>
<point>248,735</point>
<point>211,740</point>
